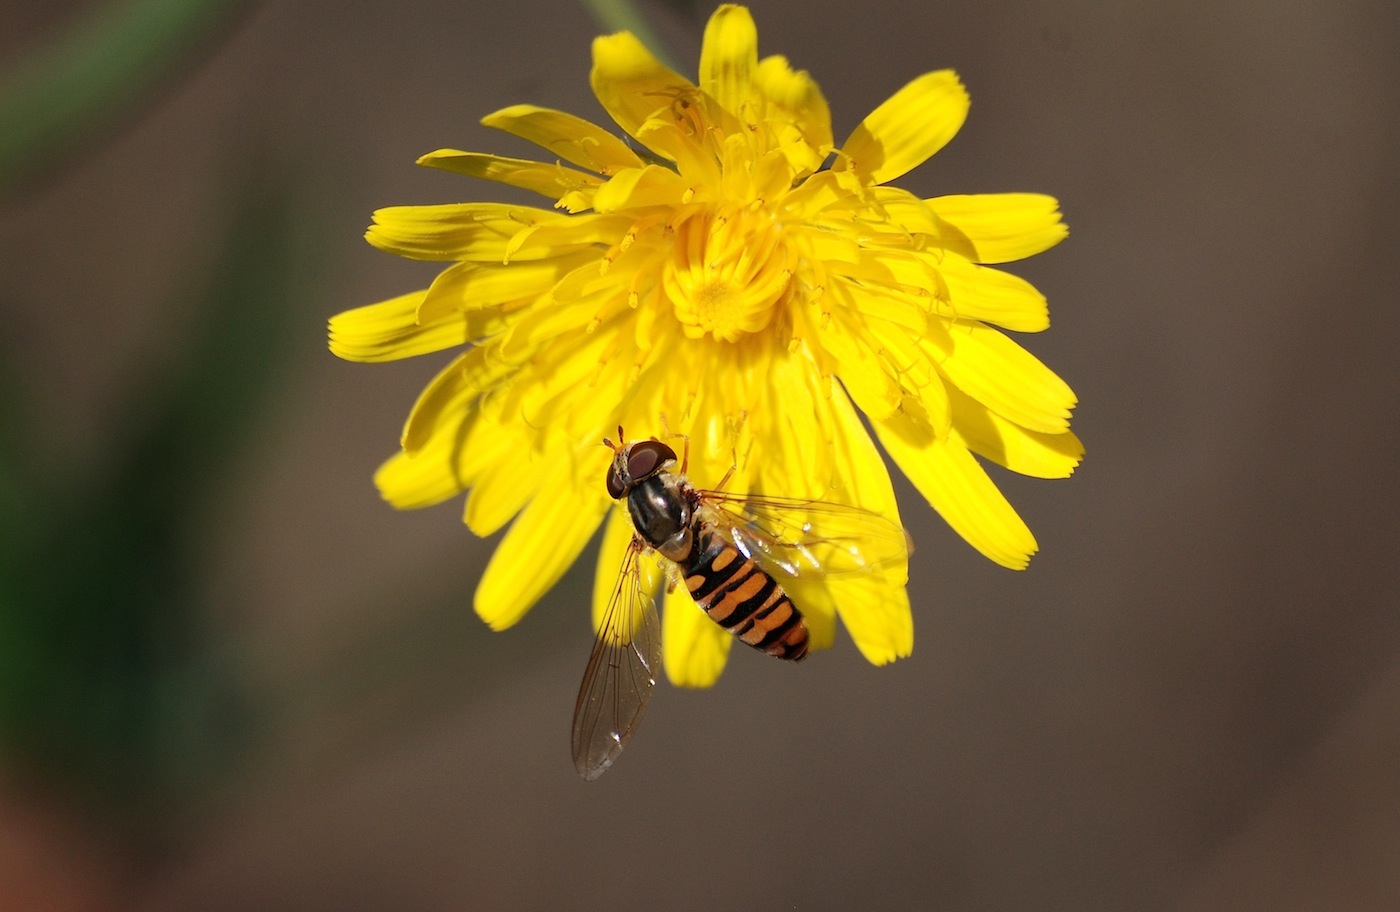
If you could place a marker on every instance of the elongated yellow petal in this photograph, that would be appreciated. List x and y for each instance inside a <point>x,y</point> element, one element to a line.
<point>1008,444</point>
<point>571,138</point>
<point>728,59</point>
<point>909,213</point>
<point>458,231</point>
<point>959,489</point>
<point>798,454</point>
<point>799,110</point>
<point>455,453</point>
<point>542,543</point>
<point>902,133</point>
<point>863,479</point>
<point>449,293</point>
<point>846,468</point>
<point>924,389</point>
<point>543,324</point>
<point>872,265</point>
<point>636,188</point>
<point>1001,227</point>
<point>1006,378</point>
<point>909,312</point>
<point>565,236</point>
<point>617,537</point>
<point>873,606</point>
<point>452,392</point>
<point>502,489</point>
<point>563,381</point>
<point>390,330</point>
<point>875,612</point>
<point>981,293</point>
<point>633,86</point>
<point>480,286</point>
<point>863,374</point>
<point>409,481</point>
<point>552,180</point>
<point>693,647</point>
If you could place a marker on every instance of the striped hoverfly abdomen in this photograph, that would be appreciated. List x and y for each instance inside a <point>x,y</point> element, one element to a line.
<point>742,597</point>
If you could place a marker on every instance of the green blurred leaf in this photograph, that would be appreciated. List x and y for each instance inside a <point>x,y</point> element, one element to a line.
<point>54,100</point>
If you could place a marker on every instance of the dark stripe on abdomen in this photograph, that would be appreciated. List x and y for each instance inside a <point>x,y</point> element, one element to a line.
<point>742,598</point>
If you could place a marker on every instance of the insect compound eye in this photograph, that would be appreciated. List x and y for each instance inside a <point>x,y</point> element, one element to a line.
<point>615,486</point>
<point>647,457</point>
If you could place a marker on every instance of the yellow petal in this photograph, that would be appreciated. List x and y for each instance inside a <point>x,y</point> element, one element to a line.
<point>502,489</point>
<point>457,231</point>
<point>697,165</point>
<point>567,235</point>
<point>902,133</point>
<point>796,451</point>
<point>871,603</point>
<point>863,479</point>
<point>910,213</point>
<point>1000,227</point>
<point>833,458</point>
<point>390,330</point>
<point>922,388</point>
<point>798,111</point>
<point>551,180</point>
<point>875,612</point>
<point>633,86</point>
<point>563,382</point>
<point>863,374</point>
<point>479,286</point>
<point>728,58</point>
<point>571,138</point>
<point>1007,444</point>
<point>874,606</point>
<point>445,464</point>
<point>940,281</point>
<point>825,200</point>
<point>959,489</point>
<point>1006,378</point>
<point>908,312</point>
<point>639,187</point>
<point>409,481</point>
<point>981,293</point>
<point>693,646</point>
<point>550,321</point>
<point>542,543</point>
<point>812,595</point>
<point>451,393</point>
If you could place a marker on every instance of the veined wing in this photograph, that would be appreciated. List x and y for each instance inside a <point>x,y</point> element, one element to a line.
<point>621,672</point>
<point>798,535</point>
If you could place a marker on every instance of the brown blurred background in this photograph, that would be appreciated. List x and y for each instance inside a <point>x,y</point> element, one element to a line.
<point>237,681</point>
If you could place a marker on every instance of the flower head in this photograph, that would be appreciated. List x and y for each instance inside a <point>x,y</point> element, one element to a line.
<point>742,280</point>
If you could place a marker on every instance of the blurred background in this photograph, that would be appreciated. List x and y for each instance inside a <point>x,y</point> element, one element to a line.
<point>232,679</point>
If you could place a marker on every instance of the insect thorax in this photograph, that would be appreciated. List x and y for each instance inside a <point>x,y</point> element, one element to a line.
<point>661,514</point>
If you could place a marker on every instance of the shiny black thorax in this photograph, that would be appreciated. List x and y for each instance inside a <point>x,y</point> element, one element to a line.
<point>662,514</point>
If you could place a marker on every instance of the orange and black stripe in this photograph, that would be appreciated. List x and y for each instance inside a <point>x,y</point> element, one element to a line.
<point>739,596</point>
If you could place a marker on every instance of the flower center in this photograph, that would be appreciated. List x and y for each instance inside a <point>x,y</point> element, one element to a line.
<point>728,270</point>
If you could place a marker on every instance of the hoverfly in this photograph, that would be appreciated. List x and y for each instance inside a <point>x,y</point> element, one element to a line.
<point>733,554</point>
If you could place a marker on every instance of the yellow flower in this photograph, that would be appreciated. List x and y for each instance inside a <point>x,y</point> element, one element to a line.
<point>743,281</point>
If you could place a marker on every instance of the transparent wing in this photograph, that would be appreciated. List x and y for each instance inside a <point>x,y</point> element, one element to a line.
<point>796,535</point>
<point>621,672</point>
